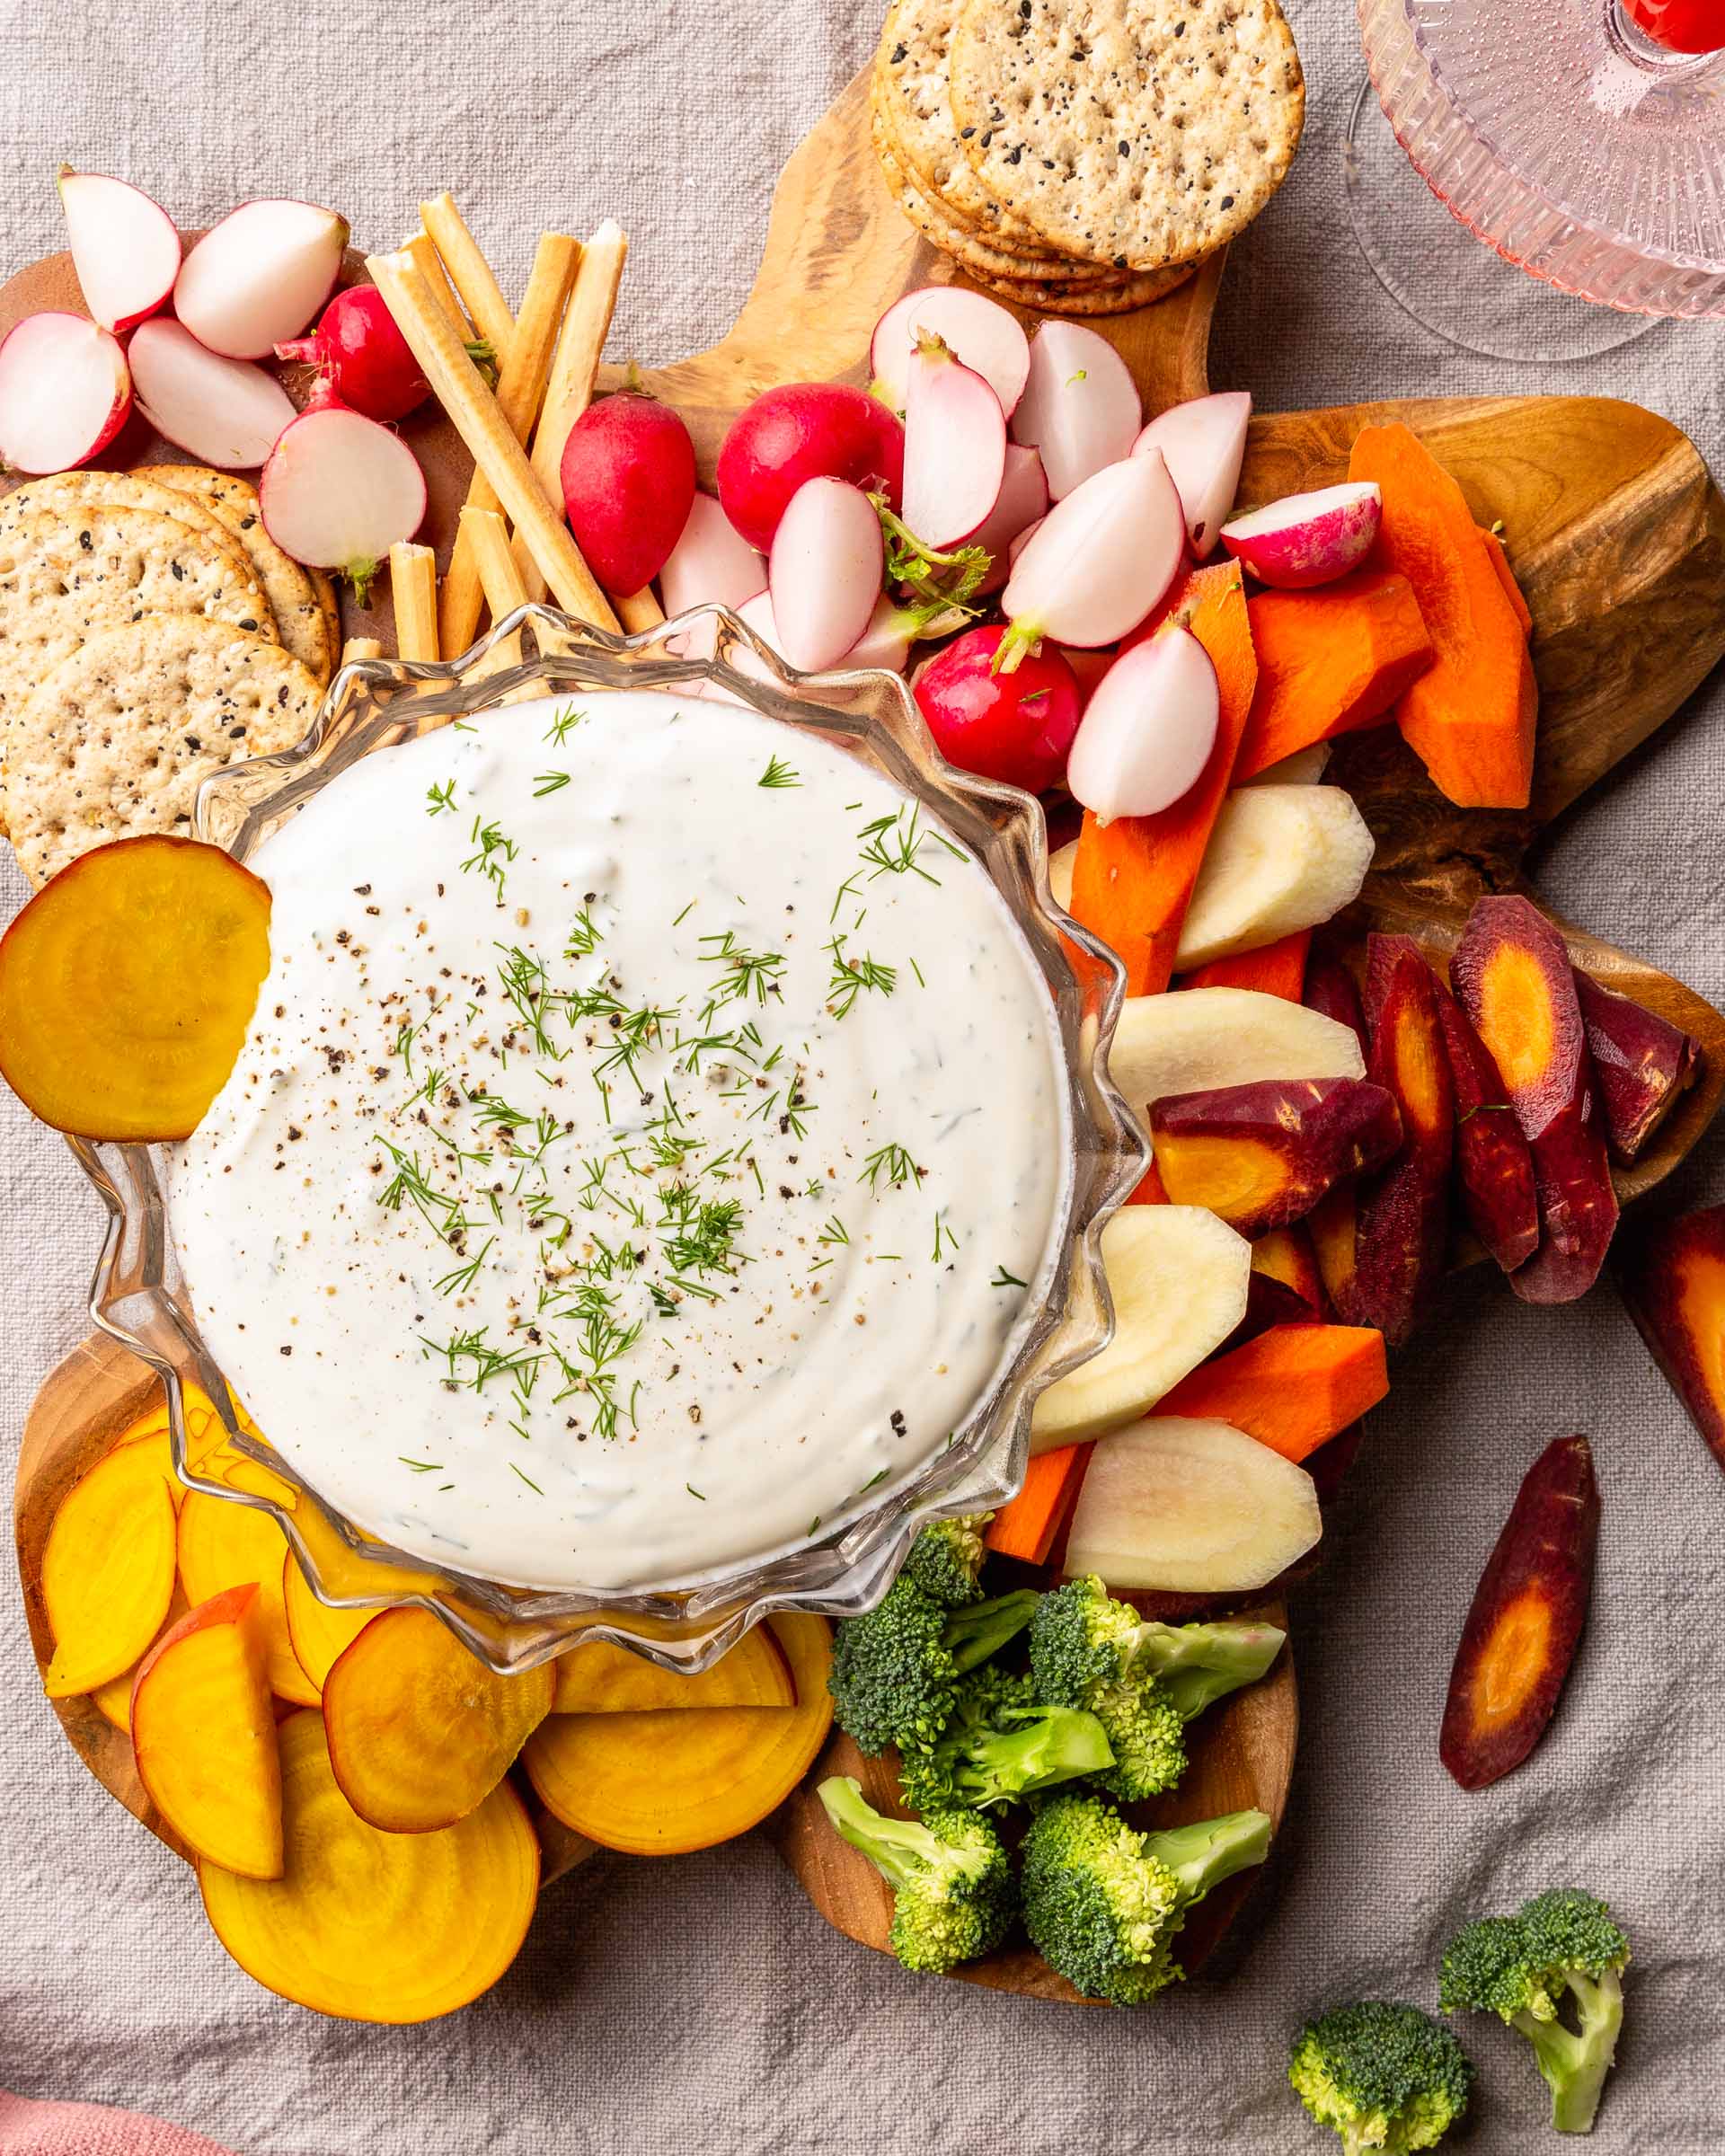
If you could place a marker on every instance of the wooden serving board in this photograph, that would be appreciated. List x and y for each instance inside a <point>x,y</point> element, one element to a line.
<point>1617,537</point>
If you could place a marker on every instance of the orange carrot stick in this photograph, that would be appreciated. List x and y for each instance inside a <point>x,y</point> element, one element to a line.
<point>1471,716</point>
<point>1330,661</point>
<point>1027,1526</point>
<point>1498,555</point>
<point>1293,1388</point>
<point>1276,969</point>
<point>1152,1190</point>
<point>1132,879</point>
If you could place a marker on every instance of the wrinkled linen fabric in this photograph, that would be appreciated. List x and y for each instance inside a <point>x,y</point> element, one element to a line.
<point>702,1999</point>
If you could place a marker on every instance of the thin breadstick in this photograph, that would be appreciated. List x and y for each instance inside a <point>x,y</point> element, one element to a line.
<point>638,610</point>
<point>474,412</point>
<point>360,648</point>
<point>494,563</point>
<point>520,385</point>
<point>422,249</point>
<point>576,362</point>
<point>413,592</point>
<point>469,272</point>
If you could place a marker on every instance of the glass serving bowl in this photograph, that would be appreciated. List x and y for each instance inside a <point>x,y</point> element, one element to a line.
<point>139,1298</point>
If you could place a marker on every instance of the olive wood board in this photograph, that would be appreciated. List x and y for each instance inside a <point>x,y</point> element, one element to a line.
<point>1616,535</point>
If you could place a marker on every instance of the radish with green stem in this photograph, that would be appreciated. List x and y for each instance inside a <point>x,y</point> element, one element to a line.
<point>124,248</point>
<point>1149,728</point>
<point>338,490</point>
<point>988,340</point>
<point>1080,408</point>
<point>260,275</point>
<point>824,574</point>
<point>359,350</point>
<point>1016,728</point>
<point>1022,505</point>
<point>1097,563</point>
<point>65,392</point>
<point>955,445</point>
<point>1203,443</point>
<point>225,413</point>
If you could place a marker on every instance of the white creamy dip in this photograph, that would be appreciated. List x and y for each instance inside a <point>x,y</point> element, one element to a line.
<point>650,1134</point>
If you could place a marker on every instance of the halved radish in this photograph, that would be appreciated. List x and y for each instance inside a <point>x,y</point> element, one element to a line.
<point>979,332</point>
<point>1306,539</point>
<point>1099,560</point>
<point>1147,731</point>
<point>225,413</point>
<point>825,573</point>
<point>1021,504</point>
<point>887,637</point>
<point>1016,545</point>
<point>710,565</point>
<point>955,446</point>
<point>1203,443</point>
<point>65,392</point>
<point>1190,1507</point>
<point>124,247</point>
<point>1080,406</point>
<point>338,490</point>
<point>257,279</point>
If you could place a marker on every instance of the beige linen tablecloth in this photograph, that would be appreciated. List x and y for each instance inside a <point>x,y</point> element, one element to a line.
<point>702,2003</point>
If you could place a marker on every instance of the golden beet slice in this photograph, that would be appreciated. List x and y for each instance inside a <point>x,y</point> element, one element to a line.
<point>421,1731</point>
<point>227,1544</point>
<point>204,1736</point>
<point>317,1633</point>
<point>603,1679</point>
<point>127,984</point>
<point>659,1784</point>
<point>107,1569</point>
<point>375,1927</point>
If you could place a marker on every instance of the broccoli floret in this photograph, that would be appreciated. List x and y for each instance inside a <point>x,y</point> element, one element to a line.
<point>1143,1682</point>
<point>1103,1902</point>
<point>1560,1951</point>
<point>945,1560</point>
<point>953,1894</point>
<point>896,1670</point>
<point>1001,1743</point>
<point>1383,2075</point>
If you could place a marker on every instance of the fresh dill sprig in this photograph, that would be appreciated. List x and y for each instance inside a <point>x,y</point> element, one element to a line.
<point>778,773</point>
<point>441,800</point>
<point>851,977</point>
<point>892,1162</point>
<point>562,724</point>
<point>550,782</point>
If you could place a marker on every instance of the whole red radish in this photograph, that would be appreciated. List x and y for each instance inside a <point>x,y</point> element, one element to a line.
<point>362,355</point>
<point>800,431</point>
<point>1017,727</point>
<point>628,473</point>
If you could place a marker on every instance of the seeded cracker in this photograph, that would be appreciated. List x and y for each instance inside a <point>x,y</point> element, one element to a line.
<point>977,256</point>
<point>1138,132</point>
<point>115,740</point>
<point>291,590</point>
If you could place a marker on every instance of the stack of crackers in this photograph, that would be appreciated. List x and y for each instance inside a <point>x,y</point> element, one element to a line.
<point>150,633</point>
<point>1084,156</point>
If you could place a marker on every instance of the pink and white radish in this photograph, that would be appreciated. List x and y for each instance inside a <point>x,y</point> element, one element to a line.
<point>1098,561</point>
<point>710,565</point>
<point>65,392</point>
<point>824,574</point>
<point>1019,540</point>
<point>982,334</point>
<point>257,279</point>
<point>1203,443</point>
<point>885,642</point>
<point>361,356</point>
<point>628,479</point>
<point>800,431</point>
<point>1017,726</point>
<point>1021,504</point>
<point>1149,728</point>
<point>225,412</point>
<point>1080,406</point>
<point>1307,539</point>
<point>955,446</point>
<point>124,248</point>
<point>338,490</point>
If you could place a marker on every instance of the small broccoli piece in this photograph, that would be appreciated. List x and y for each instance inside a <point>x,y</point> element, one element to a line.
<point>1562,1950</point>
<point>1000,1743</point>
<point>1383,2075</point>
<point>1143,1682</point>
<point>945,1560</point>
<point>953,1893</point>
<point>895,1671</point>
<point>1103,1902</point>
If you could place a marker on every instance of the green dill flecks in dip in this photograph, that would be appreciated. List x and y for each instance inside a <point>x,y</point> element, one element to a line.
<point>636,1174</point>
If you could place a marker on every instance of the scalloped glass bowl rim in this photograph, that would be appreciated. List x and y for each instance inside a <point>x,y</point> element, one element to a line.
<point>135,1299</point>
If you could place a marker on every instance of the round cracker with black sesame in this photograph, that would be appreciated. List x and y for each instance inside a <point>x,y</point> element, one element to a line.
<point>1140,133</point>
<point>115,740</point>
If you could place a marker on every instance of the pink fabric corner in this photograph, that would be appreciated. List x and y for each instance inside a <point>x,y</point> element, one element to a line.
<point>28,2128</point>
